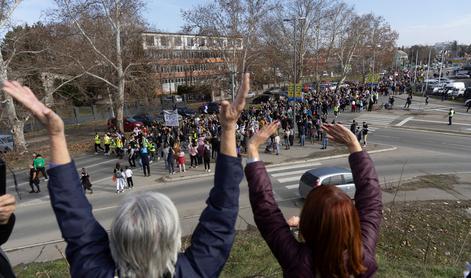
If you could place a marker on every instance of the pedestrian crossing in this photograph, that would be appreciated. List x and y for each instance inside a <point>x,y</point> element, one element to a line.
<point>287,179</point>
<point>376,120</point>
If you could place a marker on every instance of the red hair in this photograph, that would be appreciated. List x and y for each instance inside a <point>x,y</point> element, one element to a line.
<point>330,227</point>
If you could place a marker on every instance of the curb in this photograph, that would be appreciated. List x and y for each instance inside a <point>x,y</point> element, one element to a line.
<point>462,134</point>
<point>166,179</point>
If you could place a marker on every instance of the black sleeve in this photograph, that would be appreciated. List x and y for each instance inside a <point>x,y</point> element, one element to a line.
<point>6,229</point>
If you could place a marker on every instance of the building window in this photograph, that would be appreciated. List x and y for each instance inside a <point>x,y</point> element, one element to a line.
<point>178,41</point>
<point>190,41</point>
<point>150,41</point>
<point>164,41</point>
<point>202,42</point>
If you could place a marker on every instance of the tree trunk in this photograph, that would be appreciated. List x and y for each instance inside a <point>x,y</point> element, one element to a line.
<point>17,125</point>
<point>121,80</point>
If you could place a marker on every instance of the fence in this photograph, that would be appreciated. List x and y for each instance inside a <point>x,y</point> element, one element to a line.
<point>83,114</point>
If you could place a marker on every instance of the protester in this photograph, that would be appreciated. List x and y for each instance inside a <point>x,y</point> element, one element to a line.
<point>339,237</point>
<point>144,154</point>
<point>39,164</point>
<point>207,156</point>
<point>181,161</point>
<point>145,234</point>
<point>128,174</point>
<point>85,181</point>
<point>7,222</point>
<point>33,179</point>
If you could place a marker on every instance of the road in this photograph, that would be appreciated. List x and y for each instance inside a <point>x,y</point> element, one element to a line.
<point>418,153</point>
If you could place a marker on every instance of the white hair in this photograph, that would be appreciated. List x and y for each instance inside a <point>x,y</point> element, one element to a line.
<point>145,236</point>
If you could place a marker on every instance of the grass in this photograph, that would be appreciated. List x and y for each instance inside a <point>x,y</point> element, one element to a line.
<point>417,239</point>
<point>444,182</point>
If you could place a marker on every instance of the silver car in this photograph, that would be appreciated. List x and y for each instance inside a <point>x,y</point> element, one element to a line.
<point>340,177</point>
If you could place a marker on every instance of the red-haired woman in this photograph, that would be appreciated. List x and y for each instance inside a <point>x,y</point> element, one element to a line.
<point>338,237</point>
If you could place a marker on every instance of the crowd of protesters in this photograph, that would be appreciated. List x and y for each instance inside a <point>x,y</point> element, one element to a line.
<point>196,141</point>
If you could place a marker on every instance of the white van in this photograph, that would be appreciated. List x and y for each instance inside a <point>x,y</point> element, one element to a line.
<point>455,89</point>
<point>6,143</point>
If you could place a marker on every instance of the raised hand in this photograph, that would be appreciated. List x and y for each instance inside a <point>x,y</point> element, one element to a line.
<point>262,135</point>
<point>293,221</point>
<point>230,113</point>
<point>26,97</point>
<point>7,207</point>
<point>342,135</point>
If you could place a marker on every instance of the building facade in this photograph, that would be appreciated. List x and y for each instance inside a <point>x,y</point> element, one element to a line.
<point>186,59</point>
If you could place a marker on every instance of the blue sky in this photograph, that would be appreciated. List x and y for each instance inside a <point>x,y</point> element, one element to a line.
<point>417,21</point>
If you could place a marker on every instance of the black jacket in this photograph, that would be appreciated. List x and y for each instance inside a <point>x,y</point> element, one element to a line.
<point>5,231</point>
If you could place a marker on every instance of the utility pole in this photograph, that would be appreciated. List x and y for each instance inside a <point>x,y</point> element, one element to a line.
<point>428,70</point>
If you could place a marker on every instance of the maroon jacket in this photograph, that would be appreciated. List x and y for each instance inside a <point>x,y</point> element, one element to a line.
<point>294,257</point>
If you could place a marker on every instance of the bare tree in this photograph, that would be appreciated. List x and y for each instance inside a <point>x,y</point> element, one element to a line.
<point>238,19</point>
<point>16,123</point>
<point>106,26</point>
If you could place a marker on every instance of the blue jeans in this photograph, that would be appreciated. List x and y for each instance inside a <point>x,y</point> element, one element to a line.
<point>324,142</point>
<point>303,138</point>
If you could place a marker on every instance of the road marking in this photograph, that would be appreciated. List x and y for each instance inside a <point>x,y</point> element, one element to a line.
<point>438,122</point>
<point>293,186</point>
<point>299,165</point>
<point>404,121</point>
<point>288,173</point>
<point>105,208</point>
<point>458,145</point>
<point>290,179</point>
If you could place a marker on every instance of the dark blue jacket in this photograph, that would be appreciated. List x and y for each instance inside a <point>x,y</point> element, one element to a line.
<point>88,251</point>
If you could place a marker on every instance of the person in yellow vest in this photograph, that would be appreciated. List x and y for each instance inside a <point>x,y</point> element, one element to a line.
<point>336,110</point>
<point>119,147</point>
<point>451,113</point>
<point>151,146</point>
<point>97,143</point>
<point>113,145</point>
<point>107,142</point>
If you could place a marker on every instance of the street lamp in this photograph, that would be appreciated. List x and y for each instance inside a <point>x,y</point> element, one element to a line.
<point>294,20</point>
<point>374,56</point>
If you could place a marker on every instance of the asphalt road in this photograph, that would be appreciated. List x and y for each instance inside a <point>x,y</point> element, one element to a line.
<point>417,153</point>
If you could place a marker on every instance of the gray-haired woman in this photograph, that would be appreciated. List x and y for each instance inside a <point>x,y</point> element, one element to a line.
<point>145,234</point>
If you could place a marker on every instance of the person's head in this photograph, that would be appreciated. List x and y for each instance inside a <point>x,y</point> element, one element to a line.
<point>145,236</point>
<point>330,226</point>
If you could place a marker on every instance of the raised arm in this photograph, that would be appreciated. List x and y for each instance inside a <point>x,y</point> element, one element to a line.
<point>213,237</point>
<point>368,192</point>
<point>7,218</point>
<point>267,215</point>
<point>87,251</point>
<point>368,199</point>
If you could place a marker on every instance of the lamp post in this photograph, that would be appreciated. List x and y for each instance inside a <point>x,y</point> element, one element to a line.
<point>294,20</point>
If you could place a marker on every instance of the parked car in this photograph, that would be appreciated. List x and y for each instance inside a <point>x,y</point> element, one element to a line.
<point>461,76</point>
<point>6,143</point>
<point>210,108</point>
<point>336,176</point>
<point>261,99</point>
<point>186,112</point>
<point>144,118</point>
<point>455,89</point>
<point>250,95</point>
<point>129,124</point>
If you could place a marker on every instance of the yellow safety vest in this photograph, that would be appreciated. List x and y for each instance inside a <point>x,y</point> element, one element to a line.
<point>119,143</point>
<point>97,139</point>
<point>107,140</point>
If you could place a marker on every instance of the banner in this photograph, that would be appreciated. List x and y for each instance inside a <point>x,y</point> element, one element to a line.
<point>171,118</point>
